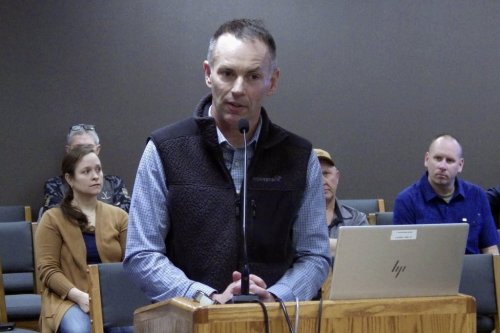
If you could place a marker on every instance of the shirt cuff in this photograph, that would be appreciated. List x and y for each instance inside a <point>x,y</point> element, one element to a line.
<point>283,292</point>
<point>197,286</point>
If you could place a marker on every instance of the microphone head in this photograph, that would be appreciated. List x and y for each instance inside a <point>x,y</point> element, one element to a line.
<point>243,125</point>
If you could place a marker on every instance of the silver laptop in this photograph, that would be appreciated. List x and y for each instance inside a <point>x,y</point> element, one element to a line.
<point>398,260</point>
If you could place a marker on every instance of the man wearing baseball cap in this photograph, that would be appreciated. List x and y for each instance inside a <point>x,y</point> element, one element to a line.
<point>336,214</point>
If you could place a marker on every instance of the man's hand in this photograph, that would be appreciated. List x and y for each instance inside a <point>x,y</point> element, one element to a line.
<point>257,287</point>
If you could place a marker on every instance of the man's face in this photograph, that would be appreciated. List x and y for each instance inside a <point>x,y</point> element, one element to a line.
<point>331,177</point>
<point>87,180</point>
<point>240,77</point>
<point>443,162</point>
<point>83,140</point>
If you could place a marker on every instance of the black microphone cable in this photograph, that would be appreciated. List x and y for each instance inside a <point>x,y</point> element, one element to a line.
<point>266,316</point>
<point>320,313</point>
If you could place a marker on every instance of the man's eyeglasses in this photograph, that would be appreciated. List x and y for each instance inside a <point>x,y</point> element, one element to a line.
<point>80,127</point>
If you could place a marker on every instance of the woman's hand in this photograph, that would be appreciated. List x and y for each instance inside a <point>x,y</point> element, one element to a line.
<point>79,297</point>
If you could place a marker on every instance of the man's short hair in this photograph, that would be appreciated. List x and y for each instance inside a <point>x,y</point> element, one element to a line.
<point>81,129</point>
<point>248,29</point>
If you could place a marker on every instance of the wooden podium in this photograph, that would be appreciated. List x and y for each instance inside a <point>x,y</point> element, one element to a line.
<point>450,314</point>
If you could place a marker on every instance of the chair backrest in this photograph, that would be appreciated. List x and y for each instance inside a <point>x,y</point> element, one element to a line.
<point>366,206</point>
<point>380,218</point>
<point>16,252</point>
<point>113,297</point>
<point>498,245</point>
<point>38,280</point>
<point>20,303</point>
<point>3,307</point>
<point>481,279</point>
<point>15,213</point>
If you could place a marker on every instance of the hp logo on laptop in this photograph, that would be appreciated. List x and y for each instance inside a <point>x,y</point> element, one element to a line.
<point>398,269</point>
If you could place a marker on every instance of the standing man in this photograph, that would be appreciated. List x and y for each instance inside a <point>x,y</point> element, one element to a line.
<point>336,214</point>
<point>113,190</point>
<point>185,232</point>
<point>441,197</point>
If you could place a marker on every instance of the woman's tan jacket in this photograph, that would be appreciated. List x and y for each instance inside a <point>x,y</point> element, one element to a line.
<point>62,256</point>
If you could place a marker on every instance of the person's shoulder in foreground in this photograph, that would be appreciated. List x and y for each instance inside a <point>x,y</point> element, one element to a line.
<point>115,192</point>
<point>351,215</point>
<point>185,231</point>
<point>494,199</point>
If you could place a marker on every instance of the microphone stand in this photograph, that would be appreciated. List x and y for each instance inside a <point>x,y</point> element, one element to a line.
<point>245,296</point>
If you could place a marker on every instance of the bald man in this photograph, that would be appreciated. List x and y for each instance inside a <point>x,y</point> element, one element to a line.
<point>441,197</point>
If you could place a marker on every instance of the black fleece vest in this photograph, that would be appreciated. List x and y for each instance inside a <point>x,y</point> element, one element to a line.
<point>205,236</point>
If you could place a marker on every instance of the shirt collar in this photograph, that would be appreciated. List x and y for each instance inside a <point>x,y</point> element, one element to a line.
<point>429,193</point>
<point>339,219</point>
<point>221,138</point>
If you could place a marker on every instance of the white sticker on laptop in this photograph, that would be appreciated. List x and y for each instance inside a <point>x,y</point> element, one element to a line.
<point>403,234</point>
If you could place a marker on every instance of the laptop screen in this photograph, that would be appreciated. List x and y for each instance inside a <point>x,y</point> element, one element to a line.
<point>398,260</point>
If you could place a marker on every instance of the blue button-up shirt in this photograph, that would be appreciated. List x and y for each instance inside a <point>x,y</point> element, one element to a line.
<point>419,204</point>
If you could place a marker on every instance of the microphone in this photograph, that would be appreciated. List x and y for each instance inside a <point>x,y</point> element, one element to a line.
<point>244,126</point>
<point>245,296</point>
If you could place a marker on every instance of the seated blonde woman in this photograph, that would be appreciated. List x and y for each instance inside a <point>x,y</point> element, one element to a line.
<point>80,231</point>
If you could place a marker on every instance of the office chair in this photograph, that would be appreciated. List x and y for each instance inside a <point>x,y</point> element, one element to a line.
<point>23,303</point>
<point>380,218</point>
<point>113,297</point>
<point>4,324</point>
<point>481,279</point>
<point>15,213</point>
